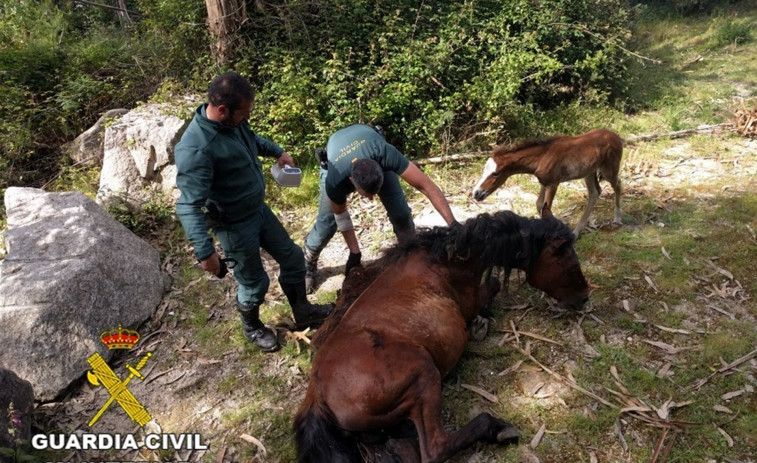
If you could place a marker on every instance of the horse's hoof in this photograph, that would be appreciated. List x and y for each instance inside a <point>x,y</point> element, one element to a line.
<point>479,328</point>
<point>509,435</point>
<point>287,323</point>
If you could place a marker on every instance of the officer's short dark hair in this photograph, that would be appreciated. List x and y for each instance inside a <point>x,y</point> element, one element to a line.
<point>231,90</point>
<point>367,175</point>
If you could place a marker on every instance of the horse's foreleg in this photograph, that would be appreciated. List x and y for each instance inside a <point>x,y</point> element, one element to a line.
<point>488,290</point>
<point>592,184</point>
<point>436,445</point>
<point>547,194</point>
<point>617,189</point>
<point>540,199</point>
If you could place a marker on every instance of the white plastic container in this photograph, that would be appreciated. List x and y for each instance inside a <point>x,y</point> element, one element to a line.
<point>288,176</point>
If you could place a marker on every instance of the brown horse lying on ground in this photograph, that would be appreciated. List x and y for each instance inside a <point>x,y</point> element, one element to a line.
<point>382,359</point>
<point>556,160</point>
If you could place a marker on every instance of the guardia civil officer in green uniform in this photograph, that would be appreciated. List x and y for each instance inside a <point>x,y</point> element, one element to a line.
<point>222,187</point>
<point>358,158</point>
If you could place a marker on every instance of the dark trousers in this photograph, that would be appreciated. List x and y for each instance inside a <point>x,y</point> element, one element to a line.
<point>391,196</point>
<point>242,241</point>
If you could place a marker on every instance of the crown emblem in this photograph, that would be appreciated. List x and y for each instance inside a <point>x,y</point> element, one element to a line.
<point>119,338</point>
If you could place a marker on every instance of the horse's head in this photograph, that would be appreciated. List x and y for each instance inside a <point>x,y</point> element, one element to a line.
<point>558,273</point>
<point>556,270</point>
<point>491,179</point>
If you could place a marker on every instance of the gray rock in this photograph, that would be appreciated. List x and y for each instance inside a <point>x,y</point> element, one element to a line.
<point>138,159</point>
<point>87,148</point>
<point>71,272</point>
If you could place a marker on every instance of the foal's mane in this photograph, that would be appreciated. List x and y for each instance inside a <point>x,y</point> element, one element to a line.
<point>507,149</point>
<point>501,239</point>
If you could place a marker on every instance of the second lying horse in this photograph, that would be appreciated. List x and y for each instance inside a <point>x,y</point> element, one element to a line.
<point>556,160</point>
<point>382,359</point>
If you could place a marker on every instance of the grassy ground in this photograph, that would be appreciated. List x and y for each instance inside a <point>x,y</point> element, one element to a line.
<point>672,299</point>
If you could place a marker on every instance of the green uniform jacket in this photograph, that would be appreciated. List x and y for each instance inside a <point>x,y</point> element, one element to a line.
<point>218,164</point>
<point>347,145</point>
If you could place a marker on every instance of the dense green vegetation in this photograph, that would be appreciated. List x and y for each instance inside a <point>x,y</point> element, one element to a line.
<point>436,75</point>
<point>62,64</point>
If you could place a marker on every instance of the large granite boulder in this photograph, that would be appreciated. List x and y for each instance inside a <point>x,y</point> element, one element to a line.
<point>71,272</point>
<point>16,408</point>
<point>138,158</point>
<point>87,148</point>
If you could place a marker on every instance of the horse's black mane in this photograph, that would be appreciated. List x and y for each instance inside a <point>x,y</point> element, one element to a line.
<point>504,149</point>
<point>500,239</point>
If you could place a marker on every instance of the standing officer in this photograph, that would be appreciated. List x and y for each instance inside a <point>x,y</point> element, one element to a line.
<point>221,181</point>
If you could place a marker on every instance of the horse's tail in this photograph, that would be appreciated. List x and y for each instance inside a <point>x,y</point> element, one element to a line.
<point>319,439</point>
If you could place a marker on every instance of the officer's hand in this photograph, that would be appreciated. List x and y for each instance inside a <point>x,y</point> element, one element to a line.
<point>212,264</point>
<point>455,225</point>
<point>352,262</point>
<point>323,158</point>
<point>285,160</point>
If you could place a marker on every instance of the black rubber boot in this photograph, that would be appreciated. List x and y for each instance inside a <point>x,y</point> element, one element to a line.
<point>306,315</point>
<point>255,331</point>
<point>311,267</point>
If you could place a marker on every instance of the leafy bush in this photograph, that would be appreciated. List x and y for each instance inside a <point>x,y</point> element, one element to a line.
<point>152,216</point>
<point>731,33</point>
<point>430,73</point>
<point>63,64</point>
<point>687,7</point>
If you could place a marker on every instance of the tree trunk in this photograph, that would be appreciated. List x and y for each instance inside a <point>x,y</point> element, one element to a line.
<point>225,18</point>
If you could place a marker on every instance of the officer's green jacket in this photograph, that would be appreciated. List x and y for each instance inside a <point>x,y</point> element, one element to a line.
<point>347,145</point>
<point>218,165</point>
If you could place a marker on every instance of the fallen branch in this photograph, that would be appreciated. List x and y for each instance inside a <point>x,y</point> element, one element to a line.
<point>746,120</point>
<point>691,61</point>
<point>603,38</point>
<point>564,379</point>
<point>532,335</point>
<point>679,133</point>
<point>453,157</point>
<point>637,408</point>
<point>619,430</point>
<point>117,8</point>
<point>722,370</point>
<point>658,447</point>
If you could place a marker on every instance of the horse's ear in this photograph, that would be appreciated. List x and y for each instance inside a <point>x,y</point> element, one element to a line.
<point>546,211</point>
<point>560,245</point>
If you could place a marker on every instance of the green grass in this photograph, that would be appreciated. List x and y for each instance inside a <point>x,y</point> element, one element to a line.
<point>700,223</point>
<point>730,32</point>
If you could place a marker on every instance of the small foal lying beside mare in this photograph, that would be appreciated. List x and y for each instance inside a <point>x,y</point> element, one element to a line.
<point>383,357</point>
<point>556,160</point>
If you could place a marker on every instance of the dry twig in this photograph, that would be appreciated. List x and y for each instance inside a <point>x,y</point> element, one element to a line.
<point>726,368</point>
<point>564,379</point>
<point>745,120</point>
<point>532,335</point>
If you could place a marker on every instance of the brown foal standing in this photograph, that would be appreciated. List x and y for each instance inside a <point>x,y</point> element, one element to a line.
<point>592,156</point>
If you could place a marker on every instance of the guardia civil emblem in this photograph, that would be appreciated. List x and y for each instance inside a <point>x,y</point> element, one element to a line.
<point>102,375</point>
